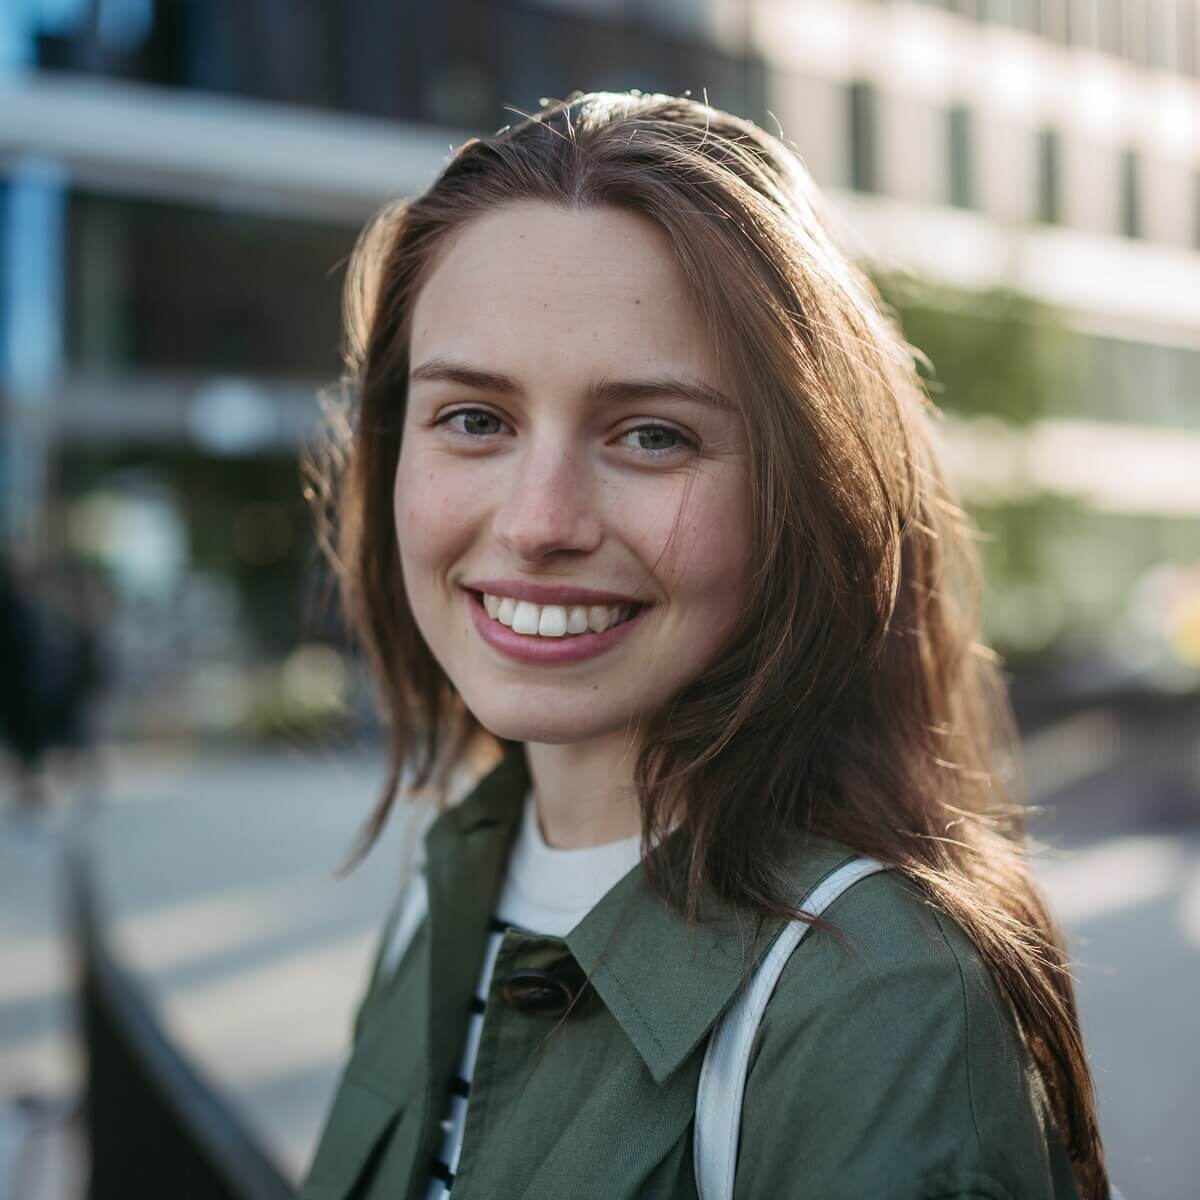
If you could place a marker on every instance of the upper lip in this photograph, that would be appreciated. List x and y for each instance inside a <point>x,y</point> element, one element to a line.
<point>548,593</point>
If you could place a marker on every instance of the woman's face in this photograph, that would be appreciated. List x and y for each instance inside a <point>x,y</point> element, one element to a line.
<point>567,454</point>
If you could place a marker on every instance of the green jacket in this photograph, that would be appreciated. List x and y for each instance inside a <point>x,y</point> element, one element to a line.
<point>891,1070</point>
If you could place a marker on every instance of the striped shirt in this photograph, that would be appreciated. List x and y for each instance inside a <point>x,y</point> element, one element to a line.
<point>545,891</point>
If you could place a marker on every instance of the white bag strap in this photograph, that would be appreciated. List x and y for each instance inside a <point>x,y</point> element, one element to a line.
<point>409,913</point>
<point>723,1075</point>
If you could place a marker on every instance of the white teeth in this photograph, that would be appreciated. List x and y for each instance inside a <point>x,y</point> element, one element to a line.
<point>525,617</point>
<point>600,618</point>
<point>554,620</point>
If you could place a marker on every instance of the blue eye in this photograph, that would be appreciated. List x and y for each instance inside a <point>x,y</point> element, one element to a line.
<point>475,421</point>
<point>653,441</point>
<point>660,441</point>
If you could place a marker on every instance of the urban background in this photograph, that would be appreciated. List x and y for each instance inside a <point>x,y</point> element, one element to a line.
<point>181,182</point>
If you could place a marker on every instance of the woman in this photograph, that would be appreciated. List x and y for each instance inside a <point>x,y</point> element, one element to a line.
<point>640,493</point>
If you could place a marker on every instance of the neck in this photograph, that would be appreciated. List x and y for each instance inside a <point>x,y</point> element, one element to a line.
<point>583,791</point>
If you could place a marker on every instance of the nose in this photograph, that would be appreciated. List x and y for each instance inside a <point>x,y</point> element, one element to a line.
<point>548,504</point>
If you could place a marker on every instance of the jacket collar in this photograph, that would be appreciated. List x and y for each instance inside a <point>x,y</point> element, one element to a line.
<point>664,981</point>
<point>498,799</point>
<point>667,982</point>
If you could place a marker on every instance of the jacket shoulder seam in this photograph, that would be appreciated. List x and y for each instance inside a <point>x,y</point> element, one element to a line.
<point>966,1016</point>
<point>971,1185</point>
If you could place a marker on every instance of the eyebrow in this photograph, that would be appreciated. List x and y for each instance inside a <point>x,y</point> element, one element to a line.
<point>608,391</point>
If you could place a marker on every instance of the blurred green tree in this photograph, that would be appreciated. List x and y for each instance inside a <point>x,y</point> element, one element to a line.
<point>1004,355</point>
<point>992,353</point>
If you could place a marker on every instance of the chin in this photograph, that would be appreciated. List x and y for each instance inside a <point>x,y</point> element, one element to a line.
<point>546,727</point>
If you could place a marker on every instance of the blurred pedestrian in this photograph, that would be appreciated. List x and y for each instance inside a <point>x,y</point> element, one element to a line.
<point>642,494</point>
<point>24,699</point>
<point>52,673</point>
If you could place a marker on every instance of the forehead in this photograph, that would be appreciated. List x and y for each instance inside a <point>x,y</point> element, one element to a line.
<point>542,292</point>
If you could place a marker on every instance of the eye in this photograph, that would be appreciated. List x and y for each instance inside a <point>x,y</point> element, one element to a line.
<point>659,441</point>
<point>653,441</point>
<point>476,422</point>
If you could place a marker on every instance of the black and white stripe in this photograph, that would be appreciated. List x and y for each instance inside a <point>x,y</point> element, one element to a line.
<point>445,1162</point>
<point>546,891</point>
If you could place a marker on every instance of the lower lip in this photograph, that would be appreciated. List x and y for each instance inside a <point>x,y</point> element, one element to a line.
<point>529,648</point>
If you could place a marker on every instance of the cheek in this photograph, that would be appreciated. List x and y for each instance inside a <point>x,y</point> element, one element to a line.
<point>708,560</point>
<point>431,513</point>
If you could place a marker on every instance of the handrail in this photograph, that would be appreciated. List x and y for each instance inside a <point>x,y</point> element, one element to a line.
<point>156,1126</point>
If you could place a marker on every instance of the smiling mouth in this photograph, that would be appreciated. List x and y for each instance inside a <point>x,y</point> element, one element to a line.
<point>554,621</point>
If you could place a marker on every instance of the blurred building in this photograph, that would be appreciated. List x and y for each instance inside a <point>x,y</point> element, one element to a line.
<point>182,180</point>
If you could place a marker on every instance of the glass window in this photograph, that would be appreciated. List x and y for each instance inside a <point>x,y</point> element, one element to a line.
<point>1186,34</point>
<point>1136,32</point>
<point>1110,26</point>
<point>958,155</point>
<point>162,286</point>
<point>545,52</point>
<point>1131,215</point>
<point>864,175</point>
<point>1026,14</point>
<point>1196,208</point>
<point>1054,20</point>
<point>1160,34</point>
<point>1049,208</point>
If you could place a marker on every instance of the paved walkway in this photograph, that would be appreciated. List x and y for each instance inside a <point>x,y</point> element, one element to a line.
<point>218,875</point>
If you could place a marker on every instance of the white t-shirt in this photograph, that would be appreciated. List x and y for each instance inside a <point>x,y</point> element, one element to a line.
<point>545,891</point>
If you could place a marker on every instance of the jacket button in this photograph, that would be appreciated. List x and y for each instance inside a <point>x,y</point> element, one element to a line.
<point>546,991</point>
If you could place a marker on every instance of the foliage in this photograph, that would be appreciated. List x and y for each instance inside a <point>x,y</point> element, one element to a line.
<point>995,352</point>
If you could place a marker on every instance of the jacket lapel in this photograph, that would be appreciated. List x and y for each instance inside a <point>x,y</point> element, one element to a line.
<point>466,853</point>
<point>667,983</point>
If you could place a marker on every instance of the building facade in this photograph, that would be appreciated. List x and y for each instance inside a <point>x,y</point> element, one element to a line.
<point>180,182</point>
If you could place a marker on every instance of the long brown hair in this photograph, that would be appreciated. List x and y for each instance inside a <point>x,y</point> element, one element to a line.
<point>855,701</point>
